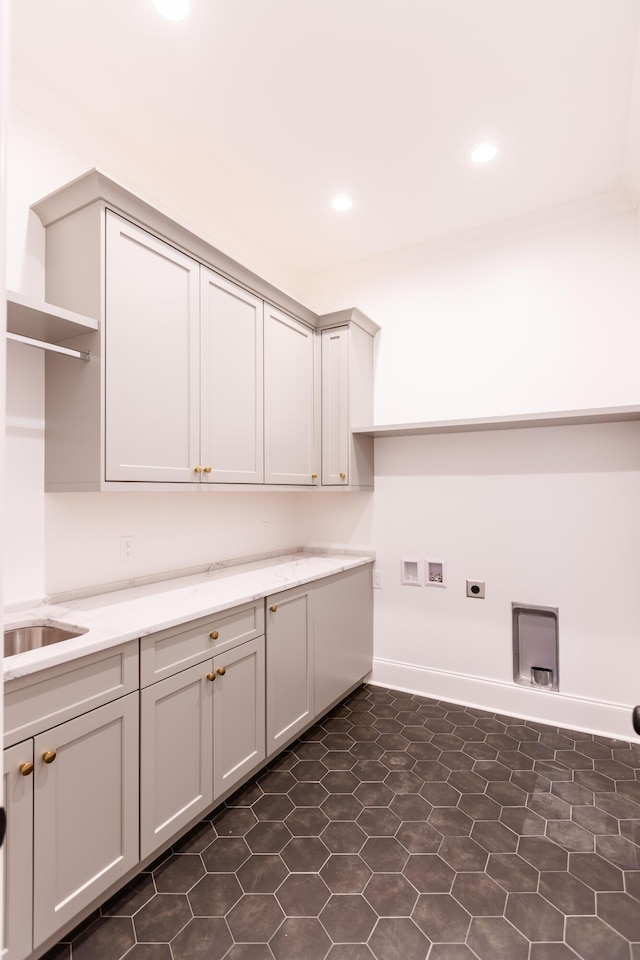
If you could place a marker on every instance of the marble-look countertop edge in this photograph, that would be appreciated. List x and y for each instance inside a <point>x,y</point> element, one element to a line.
<point>121,616</point>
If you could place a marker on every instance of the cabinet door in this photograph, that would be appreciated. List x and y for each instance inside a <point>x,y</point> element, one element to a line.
<point>18,853</point>
<point>231,380</point>
<point>343,618</point>
<point>238,714</point>
<point>151,367</point>
<point>175,754</point>
<point>288,400</point>
<point>289,665</point>
<point>335,407</point>
<point>85,811</point>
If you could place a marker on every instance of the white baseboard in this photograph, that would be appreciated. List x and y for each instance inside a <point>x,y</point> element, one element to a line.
<point>545,706</point>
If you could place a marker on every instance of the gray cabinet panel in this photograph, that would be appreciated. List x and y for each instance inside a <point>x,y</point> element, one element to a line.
<point>239,716</point>
<point>85,811</point>
<point>343,614</point>
<point>290,705</point>
<point>18,853</point>
<point>175,755</point>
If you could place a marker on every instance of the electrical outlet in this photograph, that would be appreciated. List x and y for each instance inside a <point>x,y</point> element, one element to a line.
<point>475,589</point>
<point>127,549</point>
<point>265,529</point>
<point>377,580</point>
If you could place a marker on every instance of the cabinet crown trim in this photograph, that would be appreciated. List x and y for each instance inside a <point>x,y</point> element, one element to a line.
<point>94,186</point>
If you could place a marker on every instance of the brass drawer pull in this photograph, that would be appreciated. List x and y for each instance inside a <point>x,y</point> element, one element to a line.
<point>273,608</point>
<point>214,635</point>
<point>197,469</point>
<point>207,469</point>
<point>222,671</point>
<point>314,476</point>
<point>211,676</point>
<point>49,756</point>
<point>342,476</point>
<point>26,768</point>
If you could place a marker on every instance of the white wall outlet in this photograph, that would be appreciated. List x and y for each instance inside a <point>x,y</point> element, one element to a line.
<point>127,549</point>
<point>435,573</point>
<point>266,529</point>
<point>475,589</point>
<point>411,572</point>
<point>377,580</point>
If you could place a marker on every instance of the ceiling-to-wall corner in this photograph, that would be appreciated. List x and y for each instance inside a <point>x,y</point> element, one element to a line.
<point>43,123</point>
<point>322,290</point>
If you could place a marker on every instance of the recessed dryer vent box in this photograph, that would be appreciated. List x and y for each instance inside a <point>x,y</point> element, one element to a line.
<point>535,646</point>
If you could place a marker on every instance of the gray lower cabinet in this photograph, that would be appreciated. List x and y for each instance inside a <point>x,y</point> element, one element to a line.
<point>202,730</point>
<point>343,626</point>
<point>176,757</point>
<point>100,774</point>
<point>85,811</point>
<point>290,702</point>
<point>238,714</point>
<point>18,851</point>
<point>73,820</point>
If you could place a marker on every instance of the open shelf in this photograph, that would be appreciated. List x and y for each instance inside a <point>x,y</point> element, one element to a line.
<point>560,418</point>
<point>44,321</point>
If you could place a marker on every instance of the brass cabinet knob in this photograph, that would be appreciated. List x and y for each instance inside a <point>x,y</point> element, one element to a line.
<point>197,469</point>
<point>314,476</point>
<point>273,608</point>
<point>211,676</point>
<point>207,469</point>
<point>342,476</point>
<point>214,635</point>
<point>49,756</point>
<point>222,671</point>
<point>26,768</point>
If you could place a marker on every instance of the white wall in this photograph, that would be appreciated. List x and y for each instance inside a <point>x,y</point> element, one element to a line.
<point>173,531</point>
<point>546,516</point>
<point>80,544</point>
<point>23,526</point>
<point>549,322</point>
<point>549,517</point>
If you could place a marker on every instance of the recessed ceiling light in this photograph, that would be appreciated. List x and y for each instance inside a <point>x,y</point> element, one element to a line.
<point>172,9</point>
<point>484,152</point>
<point>342,202</point>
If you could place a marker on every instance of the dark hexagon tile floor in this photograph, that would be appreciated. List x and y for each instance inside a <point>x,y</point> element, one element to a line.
<point>400,828</point>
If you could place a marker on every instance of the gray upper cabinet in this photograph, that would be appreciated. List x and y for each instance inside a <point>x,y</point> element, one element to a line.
<point>347,402</point>
<point>231,382</point>
<point>152,326</point>
<point>201,373</point>
<point>290,452</point>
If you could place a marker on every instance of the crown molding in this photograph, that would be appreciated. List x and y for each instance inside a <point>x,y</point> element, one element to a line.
<point>572,214</point>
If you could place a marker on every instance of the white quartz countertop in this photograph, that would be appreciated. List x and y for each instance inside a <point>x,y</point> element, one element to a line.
<point>122,615</point>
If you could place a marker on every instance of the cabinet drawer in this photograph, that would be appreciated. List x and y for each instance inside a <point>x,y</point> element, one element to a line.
<point>162,654</point>
<point>44,699</point>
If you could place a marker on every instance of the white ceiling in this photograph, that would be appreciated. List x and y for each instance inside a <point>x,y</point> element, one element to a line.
<point>270,107</point>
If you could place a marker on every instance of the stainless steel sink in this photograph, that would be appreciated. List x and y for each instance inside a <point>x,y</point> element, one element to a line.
<point>35,635</point>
